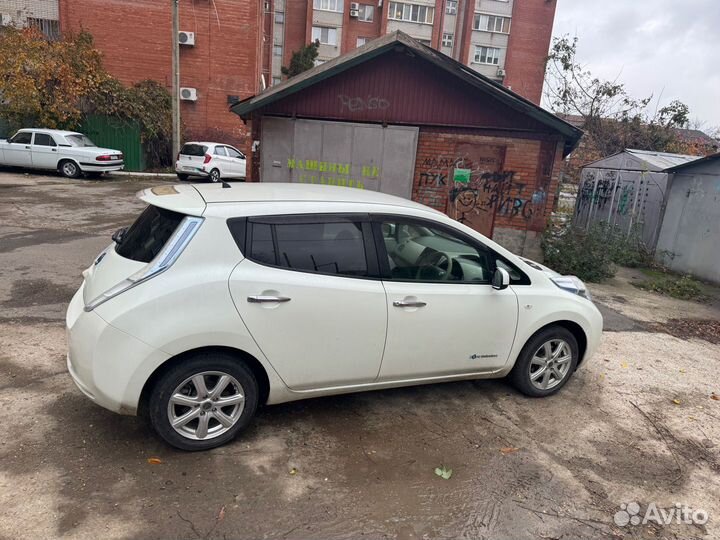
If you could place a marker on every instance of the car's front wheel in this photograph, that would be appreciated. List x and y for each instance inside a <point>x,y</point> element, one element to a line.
<point>546,363</point>
<point>203,402</point>
<point>69,169</point>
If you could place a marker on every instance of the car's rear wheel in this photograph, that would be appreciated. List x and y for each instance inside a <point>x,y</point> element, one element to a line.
<point>69,169</point>
<point>215,175</point>
<point>546,363</point>
<point>182,177</point>
<point>203,402</point>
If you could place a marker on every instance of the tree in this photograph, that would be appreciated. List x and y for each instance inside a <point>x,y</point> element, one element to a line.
<point>611,118</point>
<point>302,60</point>
<point>43,82</point>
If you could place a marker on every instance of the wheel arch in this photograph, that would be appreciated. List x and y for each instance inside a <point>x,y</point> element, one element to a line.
<point>64,159</point>
<point>253,363</point>
<point>575,329</point>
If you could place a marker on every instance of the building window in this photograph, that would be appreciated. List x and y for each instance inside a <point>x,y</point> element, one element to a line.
<point>411,13</point>
<point>447,40</point>
<point>451,7</point>
<point>49,27</point>
<point>365,13</point>
<point>277,50</point>
<point>326,36</point>
<point>491,23</point>
<point>329,5</point>
<point>487,55</point>
<point>361,41</point>
<point>279,17</point>
<point>276,80</point>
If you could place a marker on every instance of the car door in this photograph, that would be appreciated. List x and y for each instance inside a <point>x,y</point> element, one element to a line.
<point>305,293</point>
<point>238,162</point>
<point>444,317</point>
<point>44,151</point>
<point>220,161</point>
<point>18,150</point>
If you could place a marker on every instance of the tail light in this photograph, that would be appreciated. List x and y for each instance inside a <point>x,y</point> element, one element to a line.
<point>208,157</point>
<point>104,158</point>
<point>178,157</point>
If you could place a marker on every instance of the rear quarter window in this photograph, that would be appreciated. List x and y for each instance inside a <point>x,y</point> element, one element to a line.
<point>193,150</point>
<point>148,235</point>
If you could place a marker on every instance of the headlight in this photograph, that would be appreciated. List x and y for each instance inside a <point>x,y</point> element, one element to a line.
<point>573,285</point>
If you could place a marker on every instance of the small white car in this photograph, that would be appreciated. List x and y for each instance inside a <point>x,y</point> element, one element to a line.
<point>68,152</point>
<point>219,299</point>
<point>213,161</point>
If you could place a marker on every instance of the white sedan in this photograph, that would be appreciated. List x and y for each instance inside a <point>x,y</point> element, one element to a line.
<point>216,301</point>
<point>210,160</point>
<point>68,152</point>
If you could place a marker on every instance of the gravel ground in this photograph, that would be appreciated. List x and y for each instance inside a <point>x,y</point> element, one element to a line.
<point>636,424</point>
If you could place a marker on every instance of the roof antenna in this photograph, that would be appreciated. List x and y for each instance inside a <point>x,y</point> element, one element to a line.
<point>225,185</point>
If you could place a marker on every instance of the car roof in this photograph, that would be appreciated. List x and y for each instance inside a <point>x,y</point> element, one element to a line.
<point>52,131</point>
<point>206,143</point>
<point>194,198</point>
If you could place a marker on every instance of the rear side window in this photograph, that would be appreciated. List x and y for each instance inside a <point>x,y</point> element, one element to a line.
<point>220,151</point>
<point>333,246</point>
<point>193,150</point>
<point>144,239</point>
<point>43,139</point>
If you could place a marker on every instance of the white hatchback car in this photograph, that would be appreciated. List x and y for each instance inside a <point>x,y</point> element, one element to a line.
<point>68,152</point>
<point>217,300</point>
<point>213,161</point>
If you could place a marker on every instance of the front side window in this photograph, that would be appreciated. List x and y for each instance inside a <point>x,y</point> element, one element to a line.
<point>144,239</point>
<point>491,23</point>
<point>418,251</point>
<point>328,5</point>
<point>24,137</point>
<point>234,153</point>
<point>43,139</point>
<point>335,246</point>
<point>400,11</point>
<point>325,35</point>
<point>487,55</point>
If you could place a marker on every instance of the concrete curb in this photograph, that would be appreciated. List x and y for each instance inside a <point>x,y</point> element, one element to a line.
<point>144,174</point>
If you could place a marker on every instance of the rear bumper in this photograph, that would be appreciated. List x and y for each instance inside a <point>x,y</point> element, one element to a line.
<point>191,170</point>
<point>109,167</point>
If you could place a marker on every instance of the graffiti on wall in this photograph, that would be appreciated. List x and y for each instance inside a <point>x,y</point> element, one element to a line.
<point>357,103</point>
<point>314,171</point>
<point>597,192</point>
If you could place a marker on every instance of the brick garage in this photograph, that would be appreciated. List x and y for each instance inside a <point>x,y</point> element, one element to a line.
<point>135,39</point>
<point>416,117</point>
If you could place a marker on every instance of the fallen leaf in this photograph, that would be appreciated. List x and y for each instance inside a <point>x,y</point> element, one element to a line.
<point>508,450</point>
<point>624,365</point>
<point>714,396</point>
<point>682,371</point>
<point>444,473</point>
<point>293,471</point>
<point>154,460</point>
<point>677,401</point>
<point>221,514</point>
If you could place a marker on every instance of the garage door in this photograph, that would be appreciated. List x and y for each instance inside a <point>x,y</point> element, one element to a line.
<point>363,156</point>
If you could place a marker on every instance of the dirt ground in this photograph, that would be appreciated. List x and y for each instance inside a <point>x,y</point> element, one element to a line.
<point>636,424</point>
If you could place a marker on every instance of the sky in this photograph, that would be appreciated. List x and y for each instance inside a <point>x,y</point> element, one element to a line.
<point>666,48</point>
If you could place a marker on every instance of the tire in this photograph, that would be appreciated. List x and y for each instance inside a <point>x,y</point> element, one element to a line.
<point>180,379</point>
<point>524,375</point>
<point>182,177</point>
<point>69,169</point>
<point>214,175</point>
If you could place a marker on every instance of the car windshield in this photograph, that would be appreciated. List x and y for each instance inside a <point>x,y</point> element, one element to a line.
<point>79,139</point>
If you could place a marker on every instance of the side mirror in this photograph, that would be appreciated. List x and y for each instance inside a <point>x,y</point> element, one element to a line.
<point>501,279</point>
<point>117,236</point>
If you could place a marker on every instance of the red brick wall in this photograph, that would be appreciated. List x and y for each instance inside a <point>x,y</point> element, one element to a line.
<point>530,34</point>
<point>134,37</point>
<point>353,28</point>
<point>296,27</point>
<point>513,180</point>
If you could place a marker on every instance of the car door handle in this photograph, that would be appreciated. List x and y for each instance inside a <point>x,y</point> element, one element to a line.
<point>260,299</point>
<point>54,150</point>
<point>402,303</point>
<point>27,148</point>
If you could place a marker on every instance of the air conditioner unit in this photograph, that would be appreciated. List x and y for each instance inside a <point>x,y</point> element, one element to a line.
<point>500,72</point>
<point>354,6</point>
<point>186,38</point>
<point>188,94</point>
<point>354,13</point>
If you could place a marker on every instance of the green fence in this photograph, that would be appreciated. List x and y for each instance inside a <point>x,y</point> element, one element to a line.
<point>117,134</point>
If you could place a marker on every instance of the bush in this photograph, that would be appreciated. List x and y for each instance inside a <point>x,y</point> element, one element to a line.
<point>682,287</point>
<point>592,254</point>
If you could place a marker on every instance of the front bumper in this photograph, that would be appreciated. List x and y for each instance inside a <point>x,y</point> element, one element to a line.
<point>107,365</point>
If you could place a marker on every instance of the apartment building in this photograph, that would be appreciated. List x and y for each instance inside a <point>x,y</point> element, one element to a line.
<point>506,40</point>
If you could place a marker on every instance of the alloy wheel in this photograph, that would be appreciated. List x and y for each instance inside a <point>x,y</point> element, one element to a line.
<point>550,364</point>
<point>206,405</point>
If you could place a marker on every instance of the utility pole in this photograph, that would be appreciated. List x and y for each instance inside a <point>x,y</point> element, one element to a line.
<point>175,79</point>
